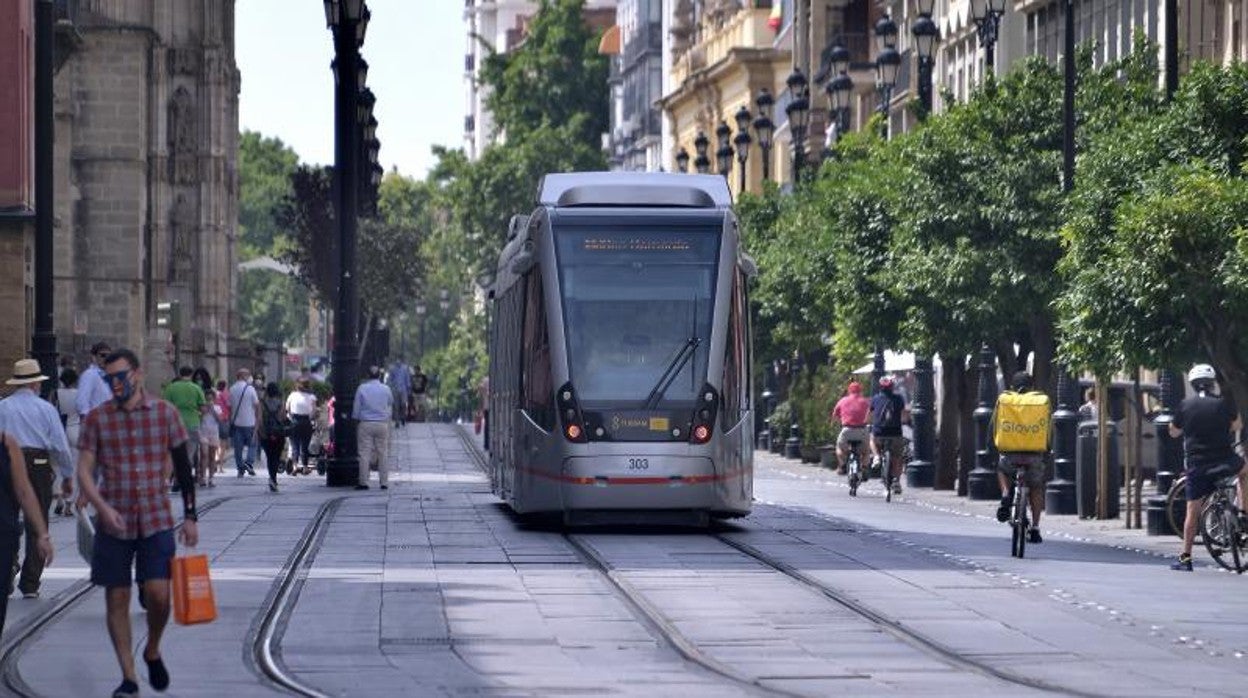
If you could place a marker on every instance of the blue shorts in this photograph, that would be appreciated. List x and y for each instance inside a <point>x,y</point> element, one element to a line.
<point>1202,480</point>
<point>112,558</point>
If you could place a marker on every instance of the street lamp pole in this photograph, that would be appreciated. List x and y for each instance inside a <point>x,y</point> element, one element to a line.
<point>798,112</point>
<point>764,127</point>
<point>742,141</point>
<point>887,64</point>
<point>1068,99</point>
<point>987,16</point>
<point>840,88</point>
<point>926,34</point>
<point>724,153</point>
<point>701,163</point>
<point>43,342</point>
<point>348,20</point>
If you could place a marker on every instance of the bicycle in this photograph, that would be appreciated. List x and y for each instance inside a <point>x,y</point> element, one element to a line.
<point>853,467</point>
<point>1222,526</point>
<point>1019,520</point>
<point>1177,493</point>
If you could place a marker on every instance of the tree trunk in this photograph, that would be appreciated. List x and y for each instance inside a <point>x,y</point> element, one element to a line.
<point>966,423</point>
<point>1045,348</point>
<point>1007,359</point>
<point>1234,373</point>
<point>951,370</point>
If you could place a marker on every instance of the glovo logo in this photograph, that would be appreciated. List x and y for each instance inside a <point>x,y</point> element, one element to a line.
<point>1008,427</point>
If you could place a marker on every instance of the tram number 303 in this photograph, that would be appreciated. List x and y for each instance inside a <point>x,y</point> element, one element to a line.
<point>638,463</point>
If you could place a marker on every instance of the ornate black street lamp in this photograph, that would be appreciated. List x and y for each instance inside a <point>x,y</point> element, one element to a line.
<point>987,15</point>
<point>798,111</point>
<point>926,35</point>
<point>742,141</point>
<point>839,89</point>
<point>921,472</point>
<point>724,153</point>
<point>764,128</point>
<point>887,63</point>
<point>682,160</point>
<point>701,163</point>
<point>348,20</point>
<point>982,481</point>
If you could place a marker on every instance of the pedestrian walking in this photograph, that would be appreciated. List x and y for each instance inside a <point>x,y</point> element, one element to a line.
<point>210,440</point>
<point>244,401</point>
<point>186,395</point>
<point>420,383</point>
<point>400,382</point>
<point>372,411</point>
<point>36,426</point>
<point>127,442</point>
<point>203,379</point>
<point>301,406</point>
<point>15,493</point>
<point>273,430</point>
<point>223,422</point>
<point>66,398</point>
<point>92,391</point>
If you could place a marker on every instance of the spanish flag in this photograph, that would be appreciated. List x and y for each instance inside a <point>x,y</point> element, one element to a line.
<point>776,18</point>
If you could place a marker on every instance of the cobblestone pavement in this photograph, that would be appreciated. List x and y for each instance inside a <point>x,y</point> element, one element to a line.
<point>433,588</point>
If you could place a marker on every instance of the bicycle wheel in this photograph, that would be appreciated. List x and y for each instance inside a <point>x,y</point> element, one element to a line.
<point>1177,493</point>
<point>887,472</point>
<point>1020,520</point>
<point>1217,531</point>
<point>853,467</point>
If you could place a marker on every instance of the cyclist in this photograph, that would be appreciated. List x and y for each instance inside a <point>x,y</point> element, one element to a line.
<point>1206,422</point>
<point>888,411</point>
<point>1022,383</point>
<point>851,412</point>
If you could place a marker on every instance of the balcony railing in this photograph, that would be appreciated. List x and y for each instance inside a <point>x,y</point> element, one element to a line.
<point>748,29</point>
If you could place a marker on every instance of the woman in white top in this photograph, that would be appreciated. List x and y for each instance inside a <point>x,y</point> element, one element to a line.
<point>210,438</point>
<point>301,406</point>
<point>66,401</point>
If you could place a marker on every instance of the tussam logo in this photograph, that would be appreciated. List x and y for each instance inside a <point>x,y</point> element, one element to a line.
<point>1033,428</point>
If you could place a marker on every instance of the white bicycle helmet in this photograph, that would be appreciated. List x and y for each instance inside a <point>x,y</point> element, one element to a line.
<point>1201,373</point>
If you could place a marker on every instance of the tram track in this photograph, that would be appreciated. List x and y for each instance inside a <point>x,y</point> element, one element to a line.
<point>897,629</point>
<point>26,633</point>
<point>265,639</point>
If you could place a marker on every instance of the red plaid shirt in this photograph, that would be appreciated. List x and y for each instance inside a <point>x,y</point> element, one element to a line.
<point>131,451</point>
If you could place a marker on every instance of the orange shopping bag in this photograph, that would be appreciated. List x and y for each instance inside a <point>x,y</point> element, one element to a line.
<point>192,591</point>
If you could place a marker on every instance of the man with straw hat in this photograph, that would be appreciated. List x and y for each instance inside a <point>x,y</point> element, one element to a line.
<point>36,426</point>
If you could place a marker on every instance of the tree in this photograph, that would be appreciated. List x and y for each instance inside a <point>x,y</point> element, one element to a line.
<point>556,77</point>
<point>306,213</point>
<point>1156,243</point>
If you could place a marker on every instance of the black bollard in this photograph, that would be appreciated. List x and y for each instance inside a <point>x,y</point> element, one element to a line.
<point>793,444</point>
<point>1169,453</point>
<point>1059,494</point>
<point>982,481</point>
<point>921,472</point>
<point>764,436</point>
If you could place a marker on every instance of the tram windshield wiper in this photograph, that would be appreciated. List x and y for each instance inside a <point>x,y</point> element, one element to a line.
<point>673,369</point>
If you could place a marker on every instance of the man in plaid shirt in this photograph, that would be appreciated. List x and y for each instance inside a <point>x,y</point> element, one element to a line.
<point>131,440</point>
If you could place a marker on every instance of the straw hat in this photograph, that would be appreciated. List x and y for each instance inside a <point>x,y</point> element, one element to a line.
<point>26,371</point>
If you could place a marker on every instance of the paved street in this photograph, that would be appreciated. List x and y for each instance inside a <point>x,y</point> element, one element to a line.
<point>432,588</point>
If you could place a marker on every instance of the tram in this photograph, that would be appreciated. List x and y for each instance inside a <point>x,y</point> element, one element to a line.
<point>620,352</point>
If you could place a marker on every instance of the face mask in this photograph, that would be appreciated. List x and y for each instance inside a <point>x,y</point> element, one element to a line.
<point>121,385</point>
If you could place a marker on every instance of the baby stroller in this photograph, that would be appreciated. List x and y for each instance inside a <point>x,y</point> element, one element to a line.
<point>321,448</point>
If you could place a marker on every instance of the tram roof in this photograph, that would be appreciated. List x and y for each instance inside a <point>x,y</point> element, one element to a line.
<point>634,189</point>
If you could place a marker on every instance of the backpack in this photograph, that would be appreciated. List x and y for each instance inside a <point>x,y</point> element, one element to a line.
<point>1022,422</point>
<point>274,427</point>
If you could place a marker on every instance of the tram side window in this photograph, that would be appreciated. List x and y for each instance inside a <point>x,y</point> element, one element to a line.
<point>539,394</point>
<point>735,359</point>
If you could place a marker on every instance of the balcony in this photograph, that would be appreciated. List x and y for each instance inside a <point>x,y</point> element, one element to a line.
<point>748,29</point>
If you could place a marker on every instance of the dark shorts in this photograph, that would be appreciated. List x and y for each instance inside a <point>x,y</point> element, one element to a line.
<point>1202,480</point>
<point>112,558</point>
<point>1009,462</point>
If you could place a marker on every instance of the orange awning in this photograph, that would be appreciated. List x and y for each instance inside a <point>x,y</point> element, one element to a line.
<point>610,43</point>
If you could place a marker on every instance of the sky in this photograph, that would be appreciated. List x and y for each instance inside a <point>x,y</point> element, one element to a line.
<point>415,54</point>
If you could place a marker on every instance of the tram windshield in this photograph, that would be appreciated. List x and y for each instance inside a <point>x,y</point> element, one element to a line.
<point>637,304</point>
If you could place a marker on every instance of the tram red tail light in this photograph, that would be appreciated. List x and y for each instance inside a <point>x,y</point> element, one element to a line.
<point>570,411</point>
<point>573,432</point>
<point>701,433</point>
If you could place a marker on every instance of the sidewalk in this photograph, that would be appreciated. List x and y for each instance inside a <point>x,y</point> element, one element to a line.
<point>1110,532</point>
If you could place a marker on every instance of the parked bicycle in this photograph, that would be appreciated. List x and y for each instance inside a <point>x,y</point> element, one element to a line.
<point>1222,526</point>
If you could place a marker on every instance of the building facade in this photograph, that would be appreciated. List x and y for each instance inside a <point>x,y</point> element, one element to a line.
<point>635,43</point>
<point>17,196</point>
<point>146,102</point>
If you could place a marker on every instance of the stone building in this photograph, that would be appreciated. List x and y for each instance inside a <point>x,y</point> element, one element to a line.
<point>16,180</point>
<point>146,181</point>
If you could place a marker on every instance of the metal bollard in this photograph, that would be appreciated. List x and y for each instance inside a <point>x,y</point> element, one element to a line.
<point>793,444</point>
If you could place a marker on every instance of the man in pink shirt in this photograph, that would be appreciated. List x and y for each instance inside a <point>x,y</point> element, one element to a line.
<point>851,412</point>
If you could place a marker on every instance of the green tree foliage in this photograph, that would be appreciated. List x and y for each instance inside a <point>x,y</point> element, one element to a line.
<point>1156,242</point>
<point>389,248</point>
<point>555,78</point>
<point>272,307</point>
<point>306,213</point>
<point>264,169</point>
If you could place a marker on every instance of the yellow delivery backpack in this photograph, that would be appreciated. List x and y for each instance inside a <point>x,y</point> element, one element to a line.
<point>1022,422</point>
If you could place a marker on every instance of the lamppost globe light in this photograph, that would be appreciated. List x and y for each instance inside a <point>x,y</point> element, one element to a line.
<point>979,10</point>
<point>370,129</point>
<point>886,65</point>
<point>764,128</point>
<point>798,112</point>
<point>364,109</point>
<point>743,119</point>
<point>885,34</point>
<point>361,28</point>
<point>420,308</point>
<point>724,152</point>
<point>797,84</point>
<point>362,75</point>
<point>701,162</point>
<point>682,160</point>
<point>839,57</point>
<point>764,101</point>
<point>839,89</point>
<point>926,34</point>
<point>996,7</point>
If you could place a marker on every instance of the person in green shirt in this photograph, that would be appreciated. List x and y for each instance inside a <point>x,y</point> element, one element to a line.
<point>188,398</point>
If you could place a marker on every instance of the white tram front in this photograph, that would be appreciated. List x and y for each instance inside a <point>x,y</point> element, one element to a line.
<point>620,379</point>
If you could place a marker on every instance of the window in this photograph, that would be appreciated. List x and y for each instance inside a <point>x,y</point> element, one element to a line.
<point>735,386</point>
<point>538,392</point>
